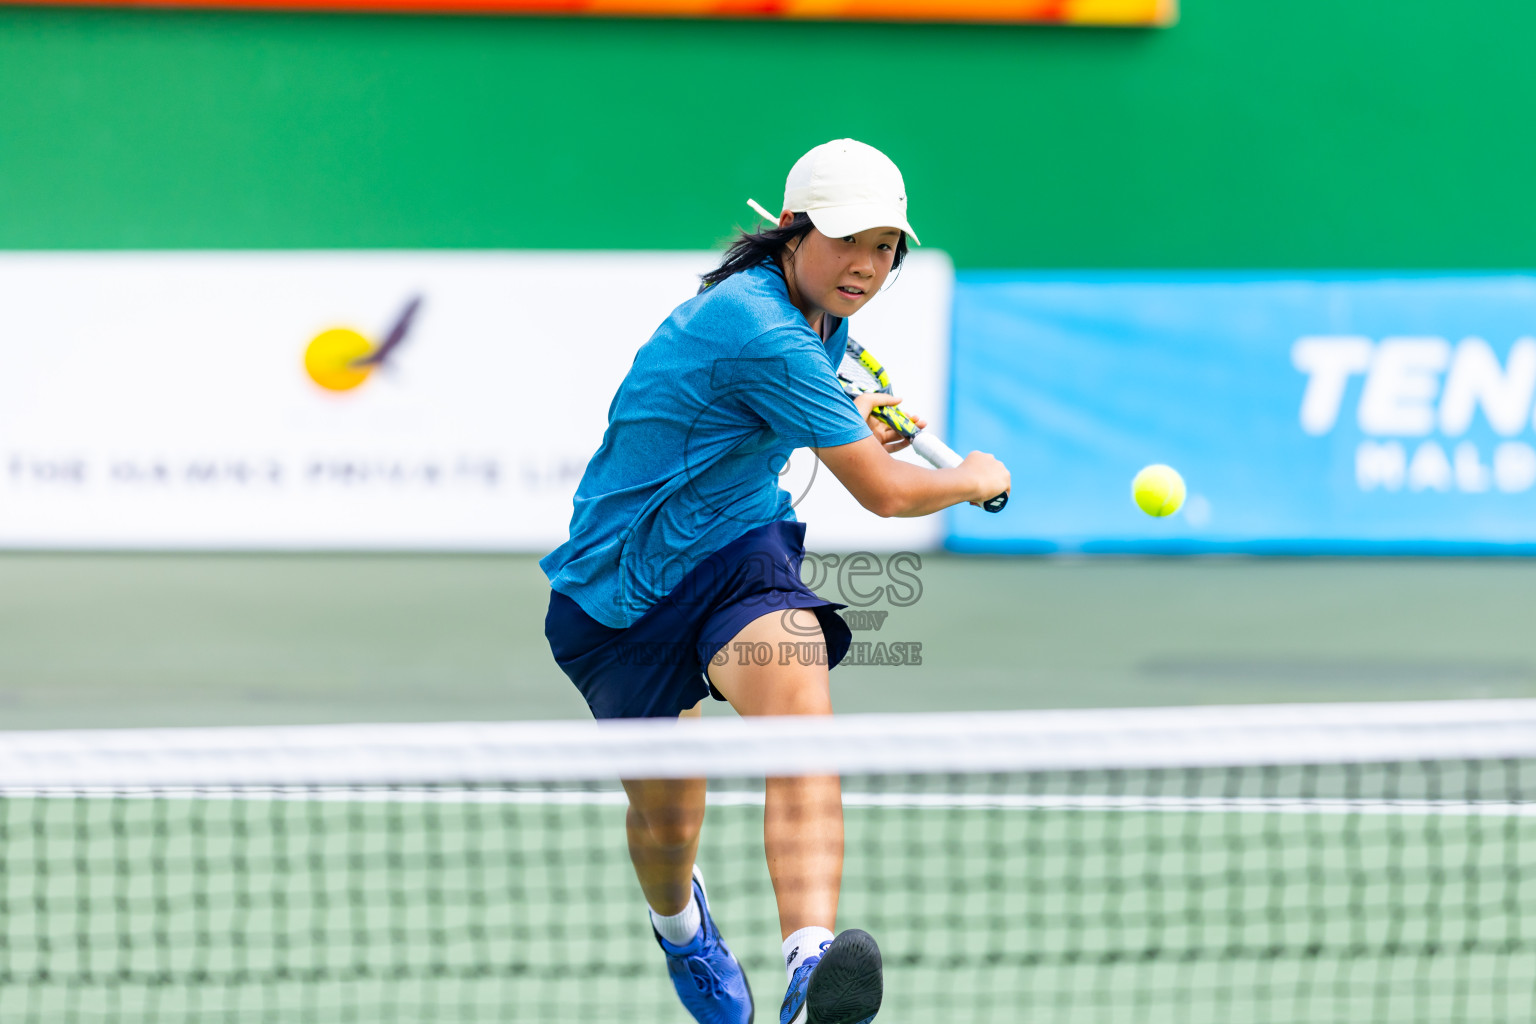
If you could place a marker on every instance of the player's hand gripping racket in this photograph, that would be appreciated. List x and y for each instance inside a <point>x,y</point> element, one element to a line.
<point>862,374</point>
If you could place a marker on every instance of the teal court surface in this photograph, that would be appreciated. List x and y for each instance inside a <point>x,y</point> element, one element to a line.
<point>144,640</point>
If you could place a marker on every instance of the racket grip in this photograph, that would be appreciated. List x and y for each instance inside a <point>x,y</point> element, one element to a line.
<point>936,452</point>
<point>942,456</point>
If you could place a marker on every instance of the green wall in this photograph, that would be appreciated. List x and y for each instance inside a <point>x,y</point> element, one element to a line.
<point>1258,133</point>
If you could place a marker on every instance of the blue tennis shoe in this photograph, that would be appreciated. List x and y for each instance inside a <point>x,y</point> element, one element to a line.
<point>707,976</point>
<point>843,985</point>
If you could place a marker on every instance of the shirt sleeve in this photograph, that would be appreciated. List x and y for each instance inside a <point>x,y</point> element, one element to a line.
<point>792,384</point>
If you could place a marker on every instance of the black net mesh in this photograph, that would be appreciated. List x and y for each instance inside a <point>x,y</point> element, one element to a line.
<point>1390,893</point>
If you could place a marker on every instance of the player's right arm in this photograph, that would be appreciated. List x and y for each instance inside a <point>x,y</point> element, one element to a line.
<point>802,402</point>
<point>890,487</point>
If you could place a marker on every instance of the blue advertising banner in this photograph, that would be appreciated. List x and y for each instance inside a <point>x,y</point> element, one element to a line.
<point>1308,413</point>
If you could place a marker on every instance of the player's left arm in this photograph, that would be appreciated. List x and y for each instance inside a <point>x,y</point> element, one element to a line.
<point>889,437</point>
<point>892,488</point>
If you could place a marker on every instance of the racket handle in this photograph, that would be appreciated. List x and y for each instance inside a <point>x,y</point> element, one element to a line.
<point>942,456</point>
<point>936,452</point>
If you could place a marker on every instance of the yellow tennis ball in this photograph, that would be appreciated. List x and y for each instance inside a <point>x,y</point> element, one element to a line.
<point>332,356</point>
<point>1159,490</point>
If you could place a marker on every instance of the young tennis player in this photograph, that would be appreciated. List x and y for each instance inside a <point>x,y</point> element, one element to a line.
<point>683,542</point>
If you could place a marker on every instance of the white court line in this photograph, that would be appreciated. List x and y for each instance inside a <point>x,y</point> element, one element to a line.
<point>862,801</point>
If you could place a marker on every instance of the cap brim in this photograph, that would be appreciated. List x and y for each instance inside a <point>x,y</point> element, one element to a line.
<point>842,221</point>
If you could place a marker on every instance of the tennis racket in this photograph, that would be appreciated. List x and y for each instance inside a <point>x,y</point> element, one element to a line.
<point>862,374</point>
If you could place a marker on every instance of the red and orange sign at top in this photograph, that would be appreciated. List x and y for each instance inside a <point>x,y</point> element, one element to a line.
<point>1064,12</point>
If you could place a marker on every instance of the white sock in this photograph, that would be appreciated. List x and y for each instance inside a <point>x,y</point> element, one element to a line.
<point>802,944</point>
<point>681,928</point>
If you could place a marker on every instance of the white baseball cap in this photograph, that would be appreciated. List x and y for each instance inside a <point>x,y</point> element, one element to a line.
<point>846,187</point>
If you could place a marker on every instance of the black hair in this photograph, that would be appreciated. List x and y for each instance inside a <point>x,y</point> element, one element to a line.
<point>752,248</point>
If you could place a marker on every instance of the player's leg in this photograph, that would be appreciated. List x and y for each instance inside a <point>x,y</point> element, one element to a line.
<point>803,819</point>
<point>663,823</point>
<point>831,980</point>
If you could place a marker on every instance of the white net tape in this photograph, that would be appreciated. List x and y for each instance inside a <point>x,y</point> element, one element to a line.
<point>478,752</point>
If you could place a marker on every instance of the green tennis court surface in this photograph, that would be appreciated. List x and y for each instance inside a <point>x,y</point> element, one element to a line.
<point>127,640</point>
<point>1392,894</point>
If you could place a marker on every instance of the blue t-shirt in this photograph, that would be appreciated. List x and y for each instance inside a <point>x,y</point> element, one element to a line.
<point>729,385</point>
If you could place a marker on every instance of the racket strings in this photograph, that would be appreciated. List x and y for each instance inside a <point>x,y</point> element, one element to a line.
<point>856,375</point>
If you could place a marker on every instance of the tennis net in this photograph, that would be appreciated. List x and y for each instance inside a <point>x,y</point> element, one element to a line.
<point>1306,864</point>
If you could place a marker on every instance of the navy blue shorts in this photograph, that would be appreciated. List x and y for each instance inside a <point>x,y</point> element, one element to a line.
<point>658,667</point>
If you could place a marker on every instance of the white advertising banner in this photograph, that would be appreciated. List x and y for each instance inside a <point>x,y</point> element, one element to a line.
<point>364,400</point>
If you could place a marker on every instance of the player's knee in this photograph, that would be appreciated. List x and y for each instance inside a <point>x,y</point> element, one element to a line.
<point>668,828</point>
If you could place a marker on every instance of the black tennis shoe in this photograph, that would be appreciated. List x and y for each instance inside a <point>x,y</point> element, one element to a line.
<point>843,985</point>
